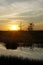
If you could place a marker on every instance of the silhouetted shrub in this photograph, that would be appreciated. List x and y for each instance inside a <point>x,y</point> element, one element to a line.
<point>12,45</point>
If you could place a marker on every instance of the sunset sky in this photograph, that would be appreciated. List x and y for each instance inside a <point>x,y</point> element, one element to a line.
<point>13,12</point>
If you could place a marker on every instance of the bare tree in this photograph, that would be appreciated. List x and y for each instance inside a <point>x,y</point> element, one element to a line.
<point>20,26</point>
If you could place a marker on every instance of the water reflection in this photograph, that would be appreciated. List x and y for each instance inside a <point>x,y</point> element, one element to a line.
<point>2,45</point>
<point>26,52</point>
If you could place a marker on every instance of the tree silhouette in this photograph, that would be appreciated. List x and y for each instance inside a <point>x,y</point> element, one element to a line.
<point>30,27</point>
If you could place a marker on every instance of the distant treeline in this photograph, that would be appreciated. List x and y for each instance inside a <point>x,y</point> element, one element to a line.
<point>12,39</point>
<point>11,60</point>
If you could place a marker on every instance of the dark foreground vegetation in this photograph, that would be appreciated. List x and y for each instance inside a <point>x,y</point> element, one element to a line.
<point>13,39</point>
<point>18,60</point>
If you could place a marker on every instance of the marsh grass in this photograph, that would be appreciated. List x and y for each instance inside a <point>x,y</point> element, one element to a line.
<point>18,60</point>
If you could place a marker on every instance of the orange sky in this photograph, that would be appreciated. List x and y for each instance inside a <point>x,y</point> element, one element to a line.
<point>24,25</point>
<point>6,26</point>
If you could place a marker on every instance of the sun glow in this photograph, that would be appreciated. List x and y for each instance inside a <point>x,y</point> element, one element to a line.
<point>14,27</point>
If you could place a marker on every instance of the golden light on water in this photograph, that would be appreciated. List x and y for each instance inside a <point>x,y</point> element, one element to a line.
<point>14,27</point>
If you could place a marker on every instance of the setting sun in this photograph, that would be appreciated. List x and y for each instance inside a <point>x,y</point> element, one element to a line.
<point>14,27</point>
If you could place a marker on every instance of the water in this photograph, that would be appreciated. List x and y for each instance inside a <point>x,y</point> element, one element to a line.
<point>35,53</point>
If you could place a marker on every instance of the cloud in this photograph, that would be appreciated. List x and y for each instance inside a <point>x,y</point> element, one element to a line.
<point>22,9</point>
